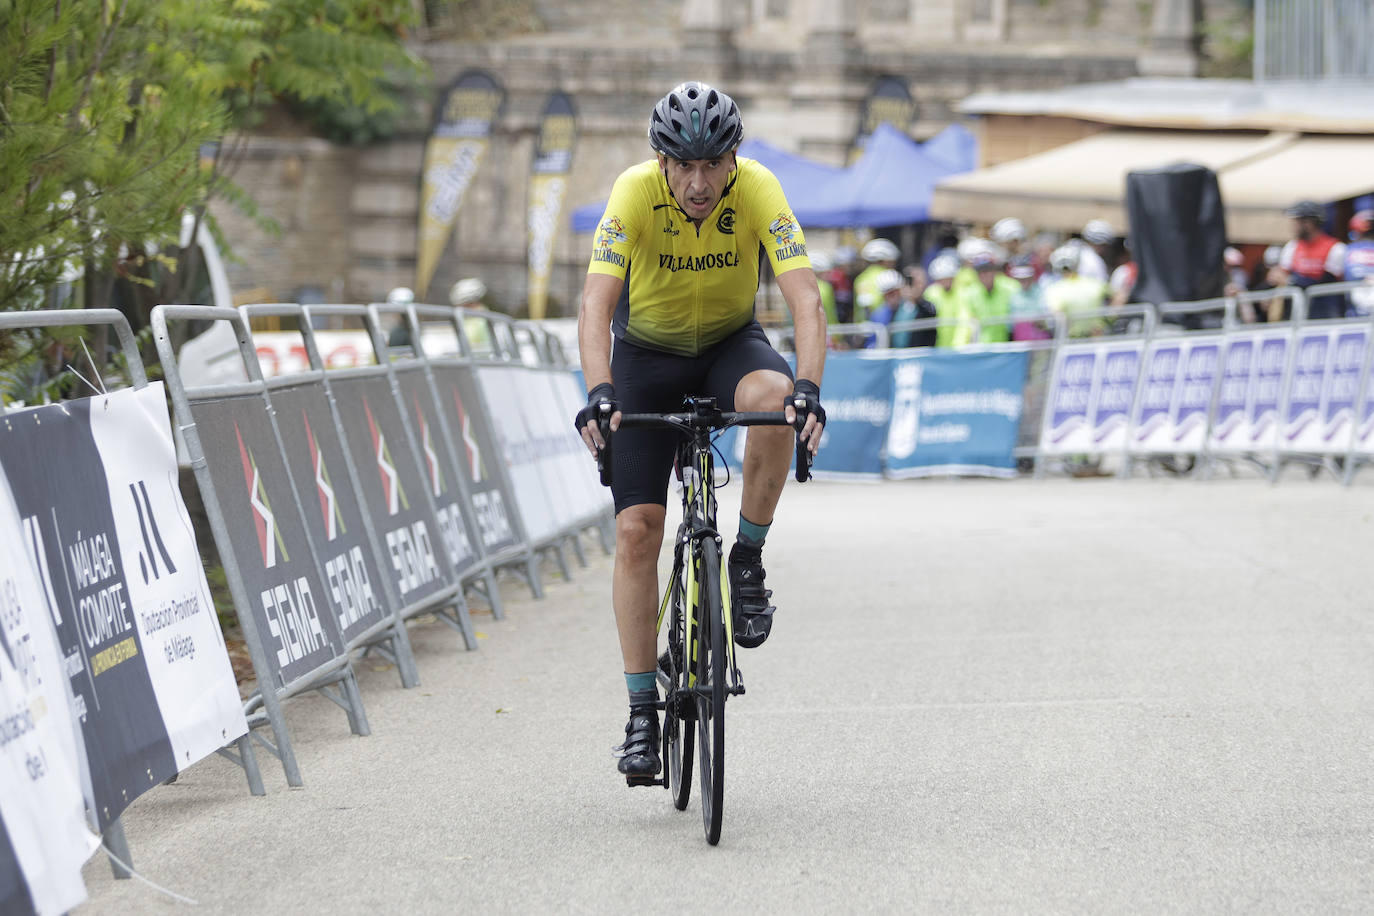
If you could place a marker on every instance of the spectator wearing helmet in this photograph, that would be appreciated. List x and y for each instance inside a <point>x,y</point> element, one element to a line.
<point>1028,304</point>
<point>956,331</point>
<point>881,256</point>
<point>1073,294</point>
<point>399,337</point>
<point>893,307</point>
<point>1010,233</point>
<point>988,300</point>
<point>468,294</point>
<point>1359,261</point>
<point>1098,240</point>
<point>1311,257</point>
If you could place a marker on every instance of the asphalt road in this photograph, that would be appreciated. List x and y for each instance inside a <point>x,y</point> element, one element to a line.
<point>980,696</point>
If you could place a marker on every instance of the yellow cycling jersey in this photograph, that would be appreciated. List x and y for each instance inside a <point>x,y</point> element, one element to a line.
<point>688,287</point>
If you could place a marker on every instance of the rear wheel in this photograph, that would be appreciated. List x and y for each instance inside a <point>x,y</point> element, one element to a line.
<point>710,671</point>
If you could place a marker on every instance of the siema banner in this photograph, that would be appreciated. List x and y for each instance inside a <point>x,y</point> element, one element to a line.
<point>333,514</point>
<point>96,487</point>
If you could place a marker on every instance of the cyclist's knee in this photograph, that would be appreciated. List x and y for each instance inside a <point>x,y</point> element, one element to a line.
<point>639,533</point>
<point>762,389</point>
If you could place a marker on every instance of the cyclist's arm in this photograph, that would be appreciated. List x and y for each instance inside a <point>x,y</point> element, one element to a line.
<point>803,298</point>
<point>599,297</point>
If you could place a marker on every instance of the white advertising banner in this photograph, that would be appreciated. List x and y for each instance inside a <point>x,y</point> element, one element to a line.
<point>44,839</point>
<point>1176,394</point>
<point>515,441</point>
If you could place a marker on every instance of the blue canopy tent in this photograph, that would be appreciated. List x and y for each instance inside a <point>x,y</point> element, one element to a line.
<point>890,185</point>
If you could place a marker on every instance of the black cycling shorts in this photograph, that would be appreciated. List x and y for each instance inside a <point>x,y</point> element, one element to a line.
<point>652,381</point>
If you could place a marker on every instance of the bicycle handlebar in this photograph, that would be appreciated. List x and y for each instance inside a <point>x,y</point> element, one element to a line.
<point>687,421</point>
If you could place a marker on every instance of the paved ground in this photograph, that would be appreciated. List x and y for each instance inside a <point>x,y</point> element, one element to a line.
<point>1058,696</point>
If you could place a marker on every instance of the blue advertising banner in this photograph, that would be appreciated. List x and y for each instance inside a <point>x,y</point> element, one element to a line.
<point>955,413</point>
<point>1263,414</point>
<point>1195,394</point>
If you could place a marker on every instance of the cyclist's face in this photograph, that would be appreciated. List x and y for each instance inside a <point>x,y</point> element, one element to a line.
<point>697,183</point>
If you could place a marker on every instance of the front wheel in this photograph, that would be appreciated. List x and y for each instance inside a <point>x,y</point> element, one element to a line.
<point>709,665</point>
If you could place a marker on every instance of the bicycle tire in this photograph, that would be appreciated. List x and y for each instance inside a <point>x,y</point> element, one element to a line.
<point>710,667</point>
<point>677,729</point>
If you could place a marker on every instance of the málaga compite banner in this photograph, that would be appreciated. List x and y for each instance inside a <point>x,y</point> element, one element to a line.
<point>95,483</point>
<point>454,151</point>
<point>548,186</point>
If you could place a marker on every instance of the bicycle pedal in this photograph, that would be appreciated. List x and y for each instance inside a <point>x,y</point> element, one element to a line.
<point>633,781</point>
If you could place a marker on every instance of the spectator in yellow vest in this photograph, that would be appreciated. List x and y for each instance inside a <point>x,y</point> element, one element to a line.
<point>988,300</point>
<point>940,294</point>
<point>881,256</point>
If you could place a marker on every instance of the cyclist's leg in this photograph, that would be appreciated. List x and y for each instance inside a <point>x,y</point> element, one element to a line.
<point>757,378</point>
<point>645,381</point>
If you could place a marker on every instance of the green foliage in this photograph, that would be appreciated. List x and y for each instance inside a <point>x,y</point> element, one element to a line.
<point>119,116</point>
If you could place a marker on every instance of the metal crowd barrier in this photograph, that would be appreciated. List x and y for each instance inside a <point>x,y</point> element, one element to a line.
<point>271,564</point>
<point>113,835</point>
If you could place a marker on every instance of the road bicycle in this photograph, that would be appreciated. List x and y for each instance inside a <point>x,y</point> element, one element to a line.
<point>698,670</point>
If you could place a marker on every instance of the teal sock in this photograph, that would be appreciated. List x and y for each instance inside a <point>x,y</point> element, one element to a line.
<point>750,534</point>
<point>643,688</point>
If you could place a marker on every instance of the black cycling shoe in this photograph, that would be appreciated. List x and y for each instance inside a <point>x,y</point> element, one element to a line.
<point>639,759</point>
<point>750,611</point>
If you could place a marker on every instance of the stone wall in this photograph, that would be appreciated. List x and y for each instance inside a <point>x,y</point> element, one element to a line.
<point>800,89</point>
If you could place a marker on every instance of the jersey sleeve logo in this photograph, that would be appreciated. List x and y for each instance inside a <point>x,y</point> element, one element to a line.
<point>726,222</point>
<point>784,231</point>
<point>610,232</point>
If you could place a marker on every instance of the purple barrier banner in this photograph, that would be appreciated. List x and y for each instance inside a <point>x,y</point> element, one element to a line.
<point>1233,395</point>
<point>1342,388</point>
<point>1163,364</point>
<point>1067,428</point>
<point>1302,430</point>
<point>1260,430</point>
<point>1194,400</point>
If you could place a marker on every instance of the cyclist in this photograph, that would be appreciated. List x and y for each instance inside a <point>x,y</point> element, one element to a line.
<point>673,274</point>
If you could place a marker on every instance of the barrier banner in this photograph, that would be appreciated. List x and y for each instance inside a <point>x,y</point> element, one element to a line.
<point>1153,430</point>
<point>1233,395</point>
<point>462,127</point>
<point>516,447</point>
<point>1194,401</point>
<point>1364,429</point>
<point>1067,429</point>
<point>858,407</point>
<point>1115,395</point>
<point>490,501</point>
<point>95,485</point>
<point>1341,394</point>
<point>569,398</point>
<point>955,413</point>
<point>44,839</point>
<point>393,489</point>
<point>333,516</point>
<point>1302,417</point>
<point>547,430</point>
<point>548,185</point>
<point>292,610</point>
<point>441,469</point>
<point>1261,427</point>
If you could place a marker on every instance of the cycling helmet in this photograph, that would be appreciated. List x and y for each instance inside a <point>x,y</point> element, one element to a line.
<point>1065,257</point>
<point>880,250</point>
<point>695,121</point>
<point>401,295</point>
<point>1232,256</point>
<point>986,259</point>
<point>821,262</point>
<point>944,267</point>
<point>1362,222</point>
<point>1009,229</point>
<point>1098,232</point>
<point>889,280</point>
<point>466,292</point>
<point>1272,255</point>
<point>1022,268</point>
<point>1306,209</point>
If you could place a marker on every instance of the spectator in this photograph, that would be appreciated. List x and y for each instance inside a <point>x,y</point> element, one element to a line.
<point>1237,282</point>
<point>1359,261</point>
<point>468,294</point>
<point>1028,303</point>
<point>1124,274</point>
<point>914,293</point>
<point>400,331</point>
<point>881,256</point>
<point>944,244</point>
<point>1094,250</point>
<point>989,299</point>
<point>842,282</point>
<point>1073,295</point>
<point>1010,233</point>
<point>1311,257</point>
<point>1274,309</point>
<point>892,308</point>
<point>956,331</point>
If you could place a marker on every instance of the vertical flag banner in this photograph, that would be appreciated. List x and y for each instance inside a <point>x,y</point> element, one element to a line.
<point>461,132</point>
<point>888,102</point>
<point>548,186</point>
